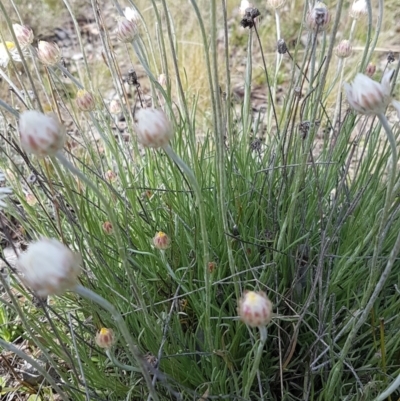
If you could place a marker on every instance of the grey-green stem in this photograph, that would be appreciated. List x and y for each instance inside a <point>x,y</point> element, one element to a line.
<point>256,363</point>
<point>120,365</point>
<point>204,238</point>
<point>86,293</point>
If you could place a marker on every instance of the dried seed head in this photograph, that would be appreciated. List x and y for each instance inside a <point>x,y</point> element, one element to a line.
<point>255,309</point>
<point>48,53</point>
<point>281,46</point>
<point>318,18</point>
<point>105,338</point>
<point>359,9</point>
<point>390,57</point>
<point>249,17</point>
<point>344,49</point>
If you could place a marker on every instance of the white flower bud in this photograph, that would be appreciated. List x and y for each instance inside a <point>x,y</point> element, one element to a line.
<point>48,53</point>
<point>255,309</point>
<point>41,135</point>
<point>132,15</point>
<point>24,34</point>
<point>367,96</point>
<point>344,49</point>
<point>126,30</point>
<point>115,106</point>
<point>153,128</point>
<point>48,267</point>
<point>359,9</point>
<point>85,100</point>
<point>162,80</point>
<point>244,5</point>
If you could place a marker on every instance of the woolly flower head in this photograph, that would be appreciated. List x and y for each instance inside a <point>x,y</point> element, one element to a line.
<point>48,267</point>
<point>367,96</point>
<point>41,134</point>
<point>24,34</point>
<point>153,128</point>
<point>359,9</point>
<point>132,15</point>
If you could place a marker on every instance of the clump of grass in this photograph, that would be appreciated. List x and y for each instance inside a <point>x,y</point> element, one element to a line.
<point>296,199</point>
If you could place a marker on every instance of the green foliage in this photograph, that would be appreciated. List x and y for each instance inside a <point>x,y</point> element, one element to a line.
<point>297,203</point>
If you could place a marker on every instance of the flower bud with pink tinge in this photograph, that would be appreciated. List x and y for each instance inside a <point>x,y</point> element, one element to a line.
<point>153,128</point>
<point>161,241</point>
<point>41,135</point>
<point>344,49</point>
<point>24,34</point>
<point>369,97</point>
<point>48,53</point>
<point>85,100</point>
<point>105,338</point>
<point>255,309</point>
<point>370,70</point>
<point>127,30</point>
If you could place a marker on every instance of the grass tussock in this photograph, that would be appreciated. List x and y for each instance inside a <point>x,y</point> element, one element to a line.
<point>195,213</point>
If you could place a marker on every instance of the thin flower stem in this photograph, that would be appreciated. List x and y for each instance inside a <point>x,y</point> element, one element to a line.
<point>267,79</point>
<point>37,366</point>
<point>89,294</point>
<point>278,55</point>
<point>204,239</point>
<point>120,365</point>
<point>256,363</point>
<point>113,219</point>
<point>5,106</point>
<point>373,290</point>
